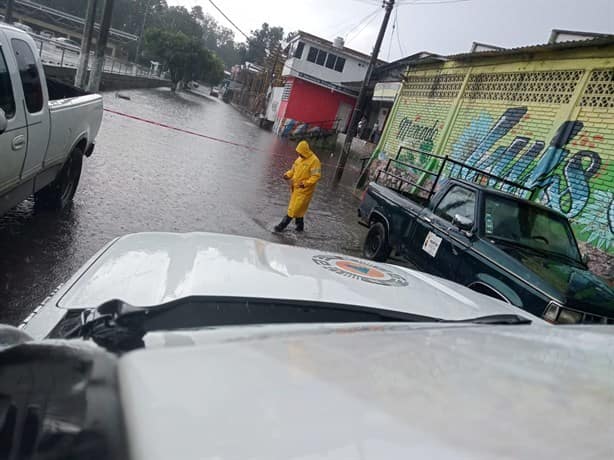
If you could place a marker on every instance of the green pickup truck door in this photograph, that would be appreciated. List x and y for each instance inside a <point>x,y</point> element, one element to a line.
<point>435,244</point>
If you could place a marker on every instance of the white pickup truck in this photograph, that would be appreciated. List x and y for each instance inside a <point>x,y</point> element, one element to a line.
<point>202,346</point>
<point>46,127</point>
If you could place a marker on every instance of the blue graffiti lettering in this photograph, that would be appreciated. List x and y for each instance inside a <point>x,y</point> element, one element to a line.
<point>577,177</point>
<point>555,153</point>
<point>510,118</point>
<point>569,194</point>
<point>522,165</point>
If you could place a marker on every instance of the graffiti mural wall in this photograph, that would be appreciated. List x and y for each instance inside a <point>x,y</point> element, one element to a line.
<point>551,130</point>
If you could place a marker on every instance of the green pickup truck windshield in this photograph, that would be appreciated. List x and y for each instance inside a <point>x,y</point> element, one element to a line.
<point>522,224</point>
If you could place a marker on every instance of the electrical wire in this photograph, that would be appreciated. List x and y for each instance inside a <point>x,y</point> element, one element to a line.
<point>347,40</point>
<point>396,20</point>
<point>229,20</point>
<point>359,23</point>
<point>347,26</point>
<point>250,40</point>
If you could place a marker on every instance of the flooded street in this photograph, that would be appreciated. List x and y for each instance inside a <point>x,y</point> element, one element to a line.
<point>144,177</point>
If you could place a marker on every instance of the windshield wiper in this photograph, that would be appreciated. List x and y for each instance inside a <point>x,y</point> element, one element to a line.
<point>500,319</point>
<point>119,326</point>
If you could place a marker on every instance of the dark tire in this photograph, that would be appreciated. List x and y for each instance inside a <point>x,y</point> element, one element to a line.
<point>59,194</point>
<point>376,245</point>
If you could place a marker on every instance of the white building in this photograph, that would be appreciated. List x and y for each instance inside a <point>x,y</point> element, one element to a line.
<point>316,93</point>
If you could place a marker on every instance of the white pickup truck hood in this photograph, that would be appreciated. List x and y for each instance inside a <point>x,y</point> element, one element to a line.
<point>371,392</point>
<point>151,268</point>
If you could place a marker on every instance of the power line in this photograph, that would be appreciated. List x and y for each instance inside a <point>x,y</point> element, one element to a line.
<point>347,40</point>
<point>250,40</point>
<point>230,20</point>
<point>394,24</point>
<point>367,19</point>
<point>360,102</point>
<point>344,31</point>
<point>396,20</point>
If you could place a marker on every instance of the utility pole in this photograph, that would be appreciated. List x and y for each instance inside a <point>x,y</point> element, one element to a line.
<point>139,43</point>
<point>86,43</point>
<point>357,113</point>
<point>93,83</point>
<point>8,15</point>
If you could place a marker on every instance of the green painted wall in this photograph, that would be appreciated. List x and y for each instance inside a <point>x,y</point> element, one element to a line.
<point>546,120</point>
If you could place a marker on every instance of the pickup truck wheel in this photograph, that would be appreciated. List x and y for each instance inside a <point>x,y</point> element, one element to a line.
<point>376,243</point>
<point>59,194</point>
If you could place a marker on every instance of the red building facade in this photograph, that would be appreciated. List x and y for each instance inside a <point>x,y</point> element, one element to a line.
<point>317,94</point>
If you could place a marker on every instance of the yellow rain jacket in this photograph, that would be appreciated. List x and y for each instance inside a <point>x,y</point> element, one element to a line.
<point>303,176</point>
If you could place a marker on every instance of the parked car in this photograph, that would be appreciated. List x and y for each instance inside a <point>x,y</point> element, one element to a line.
<point>46,34</point>
<point>24,27</point>
<point>46,127</point>
<point>509,248</point>
<point>230,347</point>
<point>215,92</point>
<point>67,44</point>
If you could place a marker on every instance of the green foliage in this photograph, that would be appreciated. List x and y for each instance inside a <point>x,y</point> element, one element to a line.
<point>185,57</point>
<point>134,16</point>
<point>261,40</point>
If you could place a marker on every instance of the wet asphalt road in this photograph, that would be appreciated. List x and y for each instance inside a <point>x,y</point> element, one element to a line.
<point>148,178</point>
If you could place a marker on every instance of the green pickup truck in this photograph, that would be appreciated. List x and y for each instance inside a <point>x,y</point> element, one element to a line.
<point>494,242</point>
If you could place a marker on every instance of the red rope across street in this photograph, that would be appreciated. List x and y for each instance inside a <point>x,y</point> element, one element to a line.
<point>212,138</point>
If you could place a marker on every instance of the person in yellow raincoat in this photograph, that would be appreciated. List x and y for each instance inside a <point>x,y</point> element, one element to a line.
<point>303,177</point>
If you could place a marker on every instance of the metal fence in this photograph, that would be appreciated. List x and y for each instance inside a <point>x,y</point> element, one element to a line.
<point>56,53</point>
<point>420,174</point>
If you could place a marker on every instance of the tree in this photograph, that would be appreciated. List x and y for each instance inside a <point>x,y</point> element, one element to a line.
<point>197,14</point>
<point>262,41</point>
<point>184,57</point>
<point>131,15</point>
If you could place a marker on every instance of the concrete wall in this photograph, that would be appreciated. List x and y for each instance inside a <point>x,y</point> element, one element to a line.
<point>547,116</point>
<point>110,81</point>
<point>359,149</point>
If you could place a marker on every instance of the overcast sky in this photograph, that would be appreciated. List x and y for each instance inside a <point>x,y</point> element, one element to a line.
<point>444,28</point>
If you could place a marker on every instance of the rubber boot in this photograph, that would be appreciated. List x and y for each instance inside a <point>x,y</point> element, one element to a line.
<point>300,224</point>
<point>280,227</point>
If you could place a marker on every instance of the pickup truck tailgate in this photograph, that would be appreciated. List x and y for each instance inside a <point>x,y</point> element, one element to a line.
<point>72,119</point>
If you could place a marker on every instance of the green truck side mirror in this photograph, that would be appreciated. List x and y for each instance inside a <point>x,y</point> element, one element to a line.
<point>462,223</point>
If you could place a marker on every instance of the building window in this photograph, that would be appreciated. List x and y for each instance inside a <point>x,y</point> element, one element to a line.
<point>321,57</point>
<point>30,79</point>
<point>328,60</point>
<point>339,64</point>
<point>313,53</point>
<point>298,52</point>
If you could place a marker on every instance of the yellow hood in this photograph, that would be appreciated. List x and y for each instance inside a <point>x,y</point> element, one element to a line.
<point>303,149</point>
